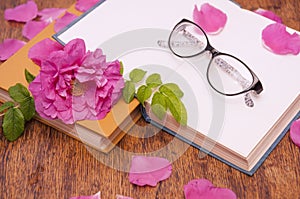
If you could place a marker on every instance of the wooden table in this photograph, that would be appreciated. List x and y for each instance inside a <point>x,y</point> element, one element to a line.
<point>45,163</point>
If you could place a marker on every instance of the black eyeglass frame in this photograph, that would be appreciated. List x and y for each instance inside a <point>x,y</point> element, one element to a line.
<point>255,85</point>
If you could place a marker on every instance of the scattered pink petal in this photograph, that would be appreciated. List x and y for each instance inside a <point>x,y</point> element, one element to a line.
<point>149,170</point>
<point>22,13</point>
<point>269,14</point>
<point>64,21</point>
<point>42,50</point>
<point>295,132</point>
<point>123,197</point>
<point>279,41</point>
<point>10,47</point>
<point>85,5</point>
<point>50,14</point>
<point>204,189</point>
<point>211,19</point>
<point>32,28</point>
<point>96,196</point>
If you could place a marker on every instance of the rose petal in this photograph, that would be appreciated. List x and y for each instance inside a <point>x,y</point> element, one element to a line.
<point>50,14</point>
<point>42,50</point>
<point>268,14</point>
<point>76,50</point>
<point>211,19</point>
<point>22,13</point>
<point>149,170</point>
<point>123,197</point>
<point>85,5</point>
<point>279,41</point>
<point>32,28</point>
<point>96,196</point>
<point>295,132</point>
<point>64,21</point>
<point>10,47</point>
<point>204,189</point>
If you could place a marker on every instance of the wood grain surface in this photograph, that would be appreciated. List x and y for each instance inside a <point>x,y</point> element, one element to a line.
<point>45,163</point>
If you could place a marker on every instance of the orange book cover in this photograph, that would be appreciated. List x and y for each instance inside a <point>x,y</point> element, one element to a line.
<point>101,135</point>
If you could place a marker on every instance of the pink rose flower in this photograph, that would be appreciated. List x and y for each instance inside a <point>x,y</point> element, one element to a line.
<point>74,84</point>
<point>102,84</point>
<point>52,89</point>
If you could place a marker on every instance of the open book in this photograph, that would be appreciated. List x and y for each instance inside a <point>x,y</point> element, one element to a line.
<point>224,127</point>
<point>102,135</point>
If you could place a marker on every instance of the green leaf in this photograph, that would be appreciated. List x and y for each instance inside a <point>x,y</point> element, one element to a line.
<point>175,105</point>
<point>13,124</point>
<point>136,75</point>
<point>167,98</point>
<point>19,93</point>
<point>159,105</point>
<point>29,77</point>
<point>27,107</point>
<point>121,68</point>
<point>177,109</point>
<point>6,105</point>
<point>183,120</point>
<point>143,94</point>
<point>153,80</point>
<point>128,91</point>
<point>172,87</point>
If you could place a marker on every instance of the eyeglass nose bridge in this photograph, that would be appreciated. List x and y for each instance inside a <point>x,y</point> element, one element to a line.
<point>212,50</point>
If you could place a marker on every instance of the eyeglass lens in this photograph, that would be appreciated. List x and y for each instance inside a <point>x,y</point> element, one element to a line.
<point>187,41</point>
<point>228,76</point>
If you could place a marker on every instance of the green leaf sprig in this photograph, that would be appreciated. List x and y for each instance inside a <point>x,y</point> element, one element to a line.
<point>164,96</point>
<point>19,111</point>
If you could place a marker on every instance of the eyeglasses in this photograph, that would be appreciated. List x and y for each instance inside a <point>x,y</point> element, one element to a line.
<point>226,74</point>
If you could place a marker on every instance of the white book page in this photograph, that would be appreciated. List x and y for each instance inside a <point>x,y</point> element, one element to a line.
<point>129,30</point>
